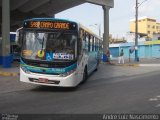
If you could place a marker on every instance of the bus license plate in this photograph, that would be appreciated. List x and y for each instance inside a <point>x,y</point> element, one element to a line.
<point>42,80</point>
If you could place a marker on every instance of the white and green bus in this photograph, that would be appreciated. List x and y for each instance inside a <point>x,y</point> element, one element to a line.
<point>57,52</point>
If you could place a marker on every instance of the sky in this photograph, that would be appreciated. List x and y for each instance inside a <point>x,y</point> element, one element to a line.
<point>120,16</point>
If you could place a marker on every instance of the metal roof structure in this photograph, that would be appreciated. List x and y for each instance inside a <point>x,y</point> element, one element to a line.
<point>24,9</point>
<point>13,12</point>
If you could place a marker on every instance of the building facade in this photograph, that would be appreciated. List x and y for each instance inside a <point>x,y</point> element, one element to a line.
<point>146,25</point>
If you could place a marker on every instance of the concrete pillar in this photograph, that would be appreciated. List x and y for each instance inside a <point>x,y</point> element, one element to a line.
<point>6,57</point>
<point>106,29</point>
<point>0,48</point>
<point>106,32</point>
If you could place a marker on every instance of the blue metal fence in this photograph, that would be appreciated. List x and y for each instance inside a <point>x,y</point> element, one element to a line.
<point>145,50</point>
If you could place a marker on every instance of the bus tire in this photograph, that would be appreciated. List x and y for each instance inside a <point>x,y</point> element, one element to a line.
<point>85,75</point>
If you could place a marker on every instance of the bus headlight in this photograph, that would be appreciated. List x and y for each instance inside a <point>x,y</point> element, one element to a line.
<point>25,70</point>
<point>67,73</point>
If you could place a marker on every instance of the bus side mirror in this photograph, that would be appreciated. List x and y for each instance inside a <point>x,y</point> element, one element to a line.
<point>19,37</point>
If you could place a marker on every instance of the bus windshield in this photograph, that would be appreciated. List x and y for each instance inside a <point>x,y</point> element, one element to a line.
<point>49,46</point>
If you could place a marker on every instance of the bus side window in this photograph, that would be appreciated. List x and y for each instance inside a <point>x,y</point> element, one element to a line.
<point>81,41</point>
<point>91,43</point>
<point>100,45</point>
<point>96,44</point>
<point>84,41</point>
<point>87,44</point>
<point>93,48</point>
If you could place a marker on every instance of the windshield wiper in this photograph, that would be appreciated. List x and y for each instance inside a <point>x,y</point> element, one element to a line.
<point>42,45</point>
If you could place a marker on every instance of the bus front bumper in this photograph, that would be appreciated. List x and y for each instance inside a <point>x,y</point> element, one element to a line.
<point>49,80</point>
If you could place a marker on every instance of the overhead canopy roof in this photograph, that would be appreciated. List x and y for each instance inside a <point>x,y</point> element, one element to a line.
<point>141,34</point>
<point>24,9</point>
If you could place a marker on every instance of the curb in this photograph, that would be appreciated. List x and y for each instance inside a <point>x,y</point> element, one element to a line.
<point>140,65</point>
<point>150,65</point>
<point>124,65</point>
<point>6,74</point>
<point>132,65</point>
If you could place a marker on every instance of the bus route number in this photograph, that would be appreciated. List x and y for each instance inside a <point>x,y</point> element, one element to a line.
<point>53,25</point>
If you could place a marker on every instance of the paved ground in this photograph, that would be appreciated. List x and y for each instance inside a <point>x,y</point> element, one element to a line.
<point>149,63</point>
<point>10,77</point>
<point>109,90</point>
<point>13,71</point>
<point>112,89</point>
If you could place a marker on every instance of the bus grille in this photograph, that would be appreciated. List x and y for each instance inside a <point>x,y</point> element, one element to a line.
<point>57,64</point>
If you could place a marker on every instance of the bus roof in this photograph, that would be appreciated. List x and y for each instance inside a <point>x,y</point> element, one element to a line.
<point>89,31</point>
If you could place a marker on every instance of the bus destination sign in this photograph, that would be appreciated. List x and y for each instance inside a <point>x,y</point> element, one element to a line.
<point>50,25</point>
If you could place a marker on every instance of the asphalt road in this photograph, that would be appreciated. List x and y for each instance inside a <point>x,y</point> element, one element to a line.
<point>127,94</point>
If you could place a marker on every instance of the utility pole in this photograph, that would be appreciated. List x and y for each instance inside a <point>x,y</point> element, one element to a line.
<point>136,33</point>
<point>98,27</point>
